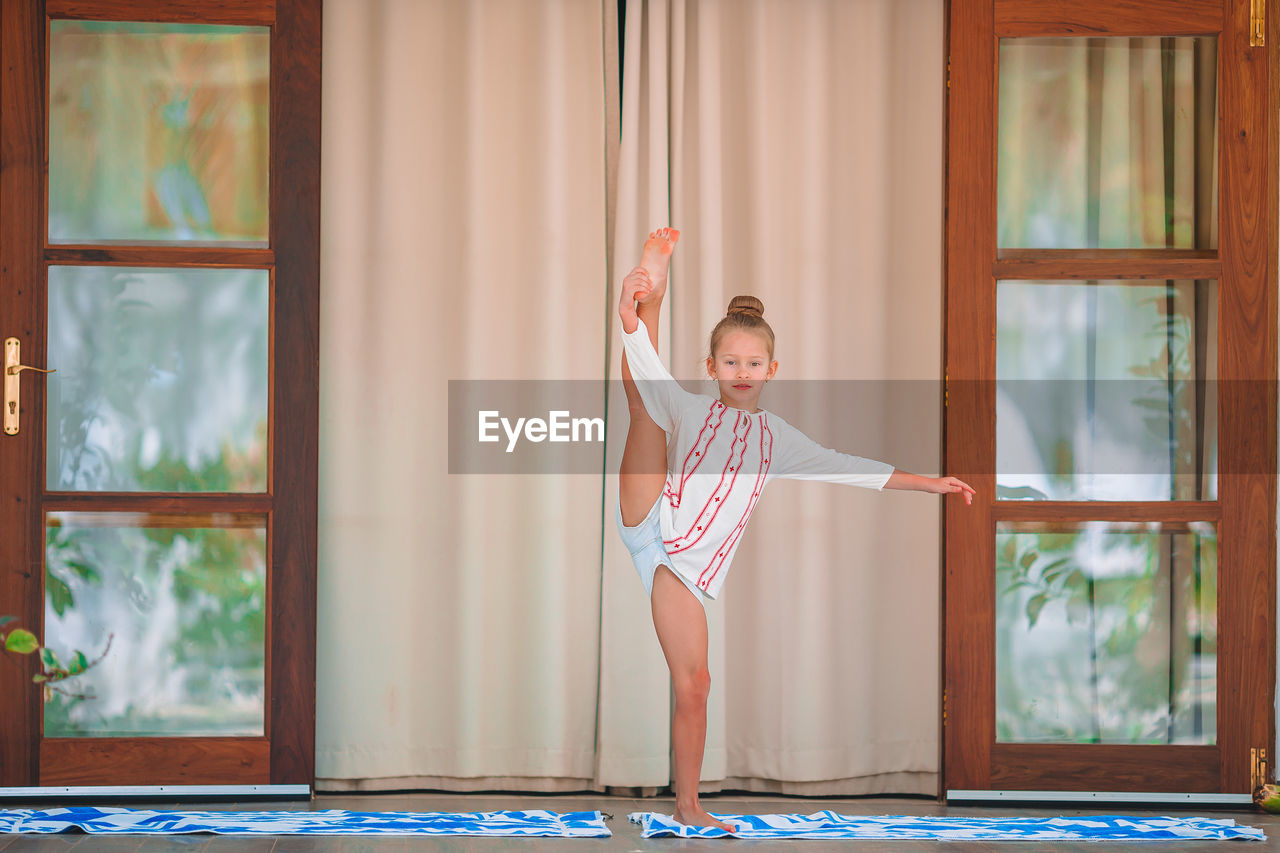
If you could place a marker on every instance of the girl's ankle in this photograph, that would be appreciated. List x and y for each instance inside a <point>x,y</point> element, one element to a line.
<point>644,309</point>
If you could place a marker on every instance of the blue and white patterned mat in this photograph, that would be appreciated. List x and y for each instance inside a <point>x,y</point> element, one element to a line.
<point>325,822</point>
<point>832,825</point>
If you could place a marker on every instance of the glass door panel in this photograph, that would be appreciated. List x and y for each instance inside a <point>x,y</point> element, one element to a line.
<point>181,600</point>
<point>1108,143</point>
<point>1104,390</point>
<point>162,379</point>
<point>1106,633</point>
<point>158,133</point>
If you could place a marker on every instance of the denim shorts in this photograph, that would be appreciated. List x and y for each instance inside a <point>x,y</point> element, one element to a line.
<point>644,543</point>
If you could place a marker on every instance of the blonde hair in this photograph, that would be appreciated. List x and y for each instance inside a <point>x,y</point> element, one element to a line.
<point>745,313</point>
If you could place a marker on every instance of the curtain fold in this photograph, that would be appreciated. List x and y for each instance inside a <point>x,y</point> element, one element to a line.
<point>633,735</point>
<point>464,239</point>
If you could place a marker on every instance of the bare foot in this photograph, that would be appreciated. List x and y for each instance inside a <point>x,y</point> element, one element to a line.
<point>699,817</point>
<point>656,259</point>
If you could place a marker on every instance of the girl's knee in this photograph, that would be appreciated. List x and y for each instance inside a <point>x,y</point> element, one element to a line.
<point>693,686</point>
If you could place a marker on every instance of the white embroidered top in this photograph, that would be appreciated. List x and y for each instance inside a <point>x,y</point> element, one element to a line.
<point>719,459</point>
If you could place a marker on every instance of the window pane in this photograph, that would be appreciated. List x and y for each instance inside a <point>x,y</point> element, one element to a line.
<point>1108,143</point>
<point>158,132</point>
<point>1106,633</point>
<point>161,380</point>
<point>183,602</point>
<point>1104,390</point>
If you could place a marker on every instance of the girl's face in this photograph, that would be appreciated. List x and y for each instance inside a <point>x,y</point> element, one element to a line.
<point>741,367</point>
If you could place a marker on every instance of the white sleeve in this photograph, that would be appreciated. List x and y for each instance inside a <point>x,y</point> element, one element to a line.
<point>662,395</point>
<point>799,457</point>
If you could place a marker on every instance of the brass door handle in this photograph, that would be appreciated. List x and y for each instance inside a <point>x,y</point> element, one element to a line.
<point>12,369</point>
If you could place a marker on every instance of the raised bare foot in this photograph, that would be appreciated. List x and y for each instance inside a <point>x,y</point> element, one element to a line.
<point>699,817</point>
<point>657,259</point>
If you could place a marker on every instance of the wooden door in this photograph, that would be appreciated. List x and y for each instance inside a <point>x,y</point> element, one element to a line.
<point>159,194</point>
<point>1111,357</point>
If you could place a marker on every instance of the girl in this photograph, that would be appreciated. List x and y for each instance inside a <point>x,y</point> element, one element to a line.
<point>691,473</point>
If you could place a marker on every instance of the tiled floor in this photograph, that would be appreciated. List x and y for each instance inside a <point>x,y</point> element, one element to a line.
<point>626,836</point>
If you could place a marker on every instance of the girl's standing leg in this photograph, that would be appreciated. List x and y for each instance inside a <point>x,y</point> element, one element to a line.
<point>681,623</point>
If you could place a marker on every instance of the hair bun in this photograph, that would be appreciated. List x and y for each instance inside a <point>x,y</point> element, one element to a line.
<point>745,305</point>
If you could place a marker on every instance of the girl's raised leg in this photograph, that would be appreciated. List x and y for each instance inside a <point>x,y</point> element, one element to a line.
<point>643,471</point>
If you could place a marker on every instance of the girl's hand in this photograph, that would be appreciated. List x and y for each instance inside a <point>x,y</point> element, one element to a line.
<point>947,485</point>
<point>635,286</point>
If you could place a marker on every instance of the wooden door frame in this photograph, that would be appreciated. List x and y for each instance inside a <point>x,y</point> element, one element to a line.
<point>969,450</point>
<point>294,217</point>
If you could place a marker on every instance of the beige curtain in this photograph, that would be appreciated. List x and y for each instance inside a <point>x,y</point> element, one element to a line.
<point>480,631</point>
<point>464,238</point>
<point>798,147</point>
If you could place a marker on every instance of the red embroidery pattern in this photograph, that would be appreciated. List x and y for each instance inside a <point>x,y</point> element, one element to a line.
<point>697,452</point>
<point>731,541</point>
<point>701,522</point>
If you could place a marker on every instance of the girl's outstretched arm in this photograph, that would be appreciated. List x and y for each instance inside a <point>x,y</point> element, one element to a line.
<point>798,457</point>
<point>937,485</point>
<point>801,458</point>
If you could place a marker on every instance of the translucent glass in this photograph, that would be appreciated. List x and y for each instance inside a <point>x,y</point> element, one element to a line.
<point>1108,143</point>
<point>161,382</point>
<point>1104,390</point>
<point>182,603</point>
<point>1106,633</point>
<point>158,132</point>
